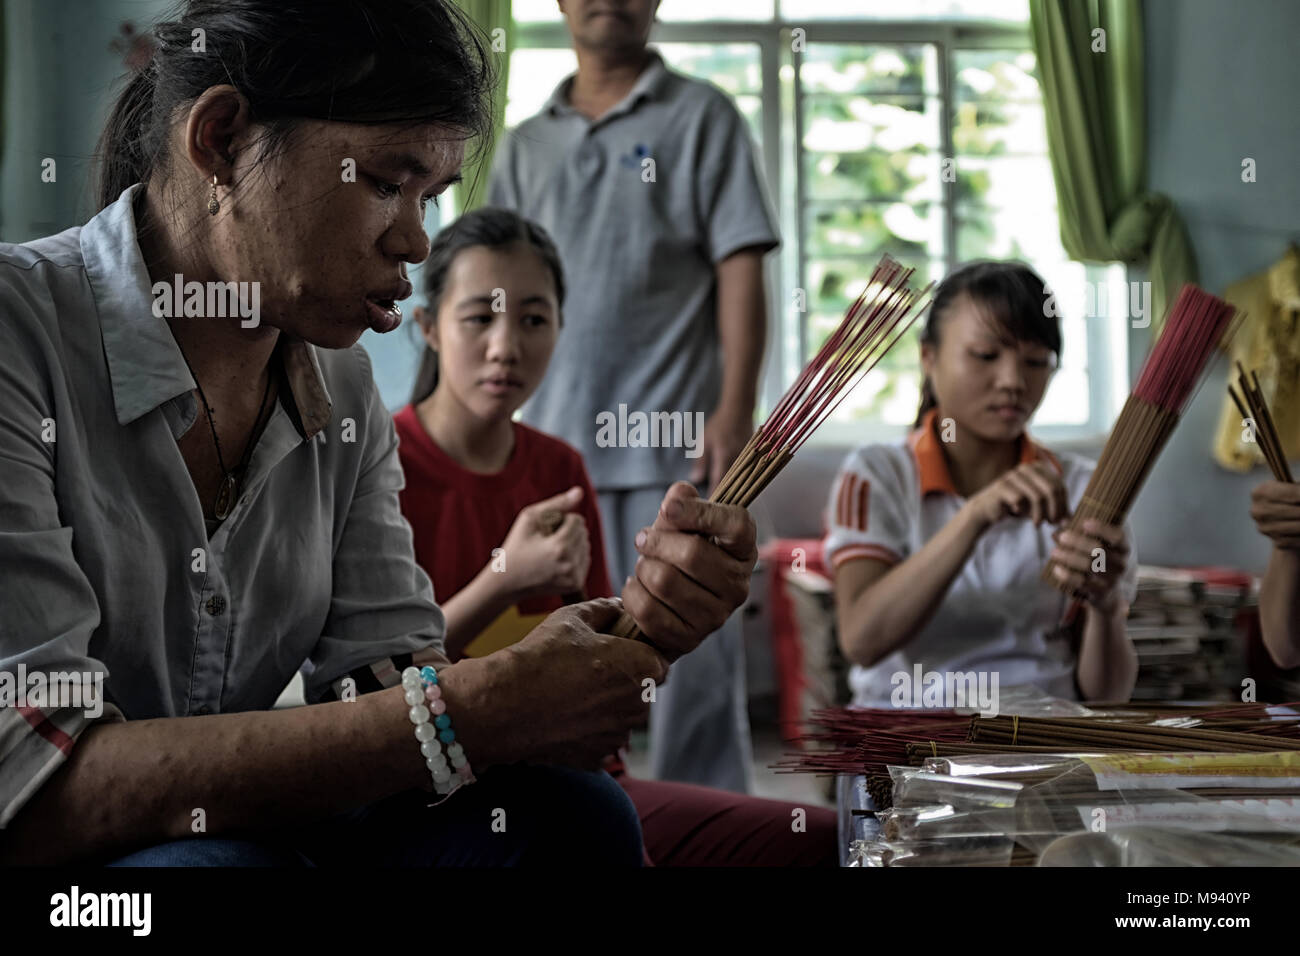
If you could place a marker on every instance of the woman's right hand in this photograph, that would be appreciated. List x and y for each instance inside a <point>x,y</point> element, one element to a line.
<point>1032,490</point>
<point>541,558</point>
<point>568,693</point>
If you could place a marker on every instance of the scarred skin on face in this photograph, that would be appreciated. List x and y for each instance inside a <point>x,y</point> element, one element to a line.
<point>332,253</point>
<point>327,225</point>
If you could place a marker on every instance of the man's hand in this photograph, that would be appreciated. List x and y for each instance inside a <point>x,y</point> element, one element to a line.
<point>725,433</point>
<point>693,571</point>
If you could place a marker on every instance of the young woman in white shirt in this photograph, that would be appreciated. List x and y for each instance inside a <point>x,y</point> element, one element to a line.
<point>938,542</point>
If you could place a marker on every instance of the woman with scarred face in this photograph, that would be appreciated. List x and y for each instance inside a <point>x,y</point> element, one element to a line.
<point>219,507</point>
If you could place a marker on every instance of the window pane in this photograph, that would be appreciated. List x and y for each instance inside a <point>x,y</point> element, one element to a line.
<point>535,11</point>
<point>1026,231</point>
<point>733,67</point>
<point>1067,399</point>
<point>995,74</point>
<point>890,392</point>
<point>907,232</point>
<point>903,69</point>
<point>873,148</point>
<point>833,285</point>
<point>681,11</point>
<point>1021,183</point>
<point>1002,10</point>
<point>534,74</point>
<point>992,128</point>
<point>998,104</point>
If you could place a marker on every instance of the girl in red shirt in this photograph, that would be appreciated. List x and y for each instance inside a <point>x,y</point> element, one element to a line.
<point>505,520</point>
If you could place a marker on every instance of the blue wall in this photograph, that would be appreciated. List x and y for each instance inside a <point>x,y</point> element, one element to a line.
<point>1222,81</point>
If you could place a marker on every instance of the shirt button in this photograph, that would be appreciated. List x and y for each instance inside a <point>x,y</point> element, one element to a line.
<point>216,604</point>
<point>204,710</point>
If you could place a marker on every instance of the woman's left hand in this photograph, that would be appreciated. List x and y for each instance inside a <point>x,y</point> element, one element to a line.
<point>1087,574</point>
<point>1275,506</point>
<point>693,571</point>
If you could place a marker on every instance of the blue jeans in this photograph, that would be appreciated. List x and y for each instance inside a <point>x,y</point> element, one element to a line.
<point>514,816</point>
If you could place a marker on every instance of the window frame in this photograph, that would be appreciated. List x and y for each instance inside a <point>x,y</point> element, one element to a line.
<point>780,160</point>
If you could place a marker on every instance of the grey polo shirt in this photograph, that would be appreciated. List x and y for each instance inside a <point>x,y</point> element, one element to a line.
<point>106,567</point>
<point>639,243</point>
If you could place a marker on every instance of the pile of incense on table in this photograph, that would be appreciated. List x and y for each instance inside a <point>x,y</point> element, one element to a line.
<point>957,789</point>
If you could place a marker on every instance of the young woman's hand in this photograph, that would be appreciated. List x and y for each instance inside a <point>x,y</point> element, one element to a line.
<point>1102,547</point>
<point>1275,506</point>
<point>693,570</point>
<point>541,558</point>
<point>1033,490</point>
<point>567,693</point>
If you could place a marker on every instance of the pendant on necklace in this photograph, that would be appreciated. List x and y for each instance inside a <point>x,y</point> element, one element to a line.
<point>225,497</point>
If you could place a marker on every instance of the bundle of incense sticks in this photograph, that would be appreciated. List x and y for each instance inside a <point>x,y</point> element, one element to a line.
<point>863,740</point>
<point>867,740</point>
<point>1195,326</point>
<point>1084,733</point>
<point>1255,409</point>
<point>871,327</point>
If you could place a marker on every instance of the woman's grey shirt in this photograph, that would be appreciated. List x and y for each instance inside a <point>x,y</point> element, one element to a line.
<point>106,569</point>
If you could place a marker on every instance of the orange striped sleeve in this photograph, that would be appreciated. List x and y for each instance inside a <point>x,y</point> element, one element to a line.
<point>856,552</point>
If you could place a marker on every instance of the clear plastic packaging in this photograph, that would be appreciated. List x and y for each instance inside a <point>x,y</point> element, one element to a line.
<point>962,793</point>
<point>957,851</point>
<point>1155,846</point>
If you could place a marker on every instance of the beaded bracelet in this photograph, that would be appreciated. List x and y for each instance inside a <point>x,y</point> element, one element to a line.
<point>433,729</point>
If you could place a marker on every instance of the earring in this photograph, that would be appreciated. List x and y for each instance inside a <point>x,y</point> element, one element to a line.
<point>214,207</point>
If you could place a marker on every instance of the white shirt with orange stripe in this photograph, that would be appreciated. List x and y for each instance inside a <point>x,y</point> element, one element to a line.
<point>997,615</point>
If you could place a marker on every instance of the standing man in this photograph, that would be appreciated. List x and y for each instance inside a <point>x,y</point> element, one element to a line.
<point>647,181</point>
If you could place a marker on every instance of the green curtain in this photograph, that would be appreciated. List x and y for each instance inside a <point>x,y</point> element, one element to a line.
<point>494,19</point>
<point>1096,134</point>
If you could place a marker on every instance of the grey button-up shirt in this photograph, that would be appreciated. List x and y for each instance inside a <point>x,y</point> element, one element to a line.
<point>643,204</point>
<point>106,568</point>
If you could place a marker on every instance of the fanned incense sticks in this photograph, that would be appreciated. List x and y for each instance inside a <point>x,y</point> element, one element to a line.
<point>1196,324</point>
<point>1255,409</point>
<point>870,328</point>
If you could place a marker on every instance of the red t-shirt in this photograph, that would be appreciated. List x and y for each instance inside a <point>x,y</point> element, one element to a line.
<point>458,517</point>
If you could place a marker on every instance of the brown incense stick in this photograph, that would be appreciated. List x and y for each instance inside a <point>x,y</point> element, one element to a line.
<point>1255,409</point>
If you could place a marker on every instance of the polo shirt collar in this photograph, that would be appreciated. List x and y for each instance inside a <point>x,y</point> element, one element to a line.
<point>932,466</point>
<point>647,85</point>
<point>145,365</point>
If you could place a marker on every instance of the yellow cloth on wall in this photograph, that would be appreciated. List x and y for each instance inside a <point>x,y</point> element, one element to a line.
<point>1267,343</point>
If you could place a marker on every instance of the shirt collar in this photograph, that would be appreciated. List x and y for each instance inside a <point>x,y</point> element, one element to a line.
<point>647,85</point>
<point>932,466</point>
<point>145,364</point>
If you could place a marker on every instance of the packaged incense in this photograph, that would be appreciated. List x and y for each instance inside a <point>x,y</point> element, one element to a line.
<point>963,793</point>
<point>942,821</point>
<point>995,850</point>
